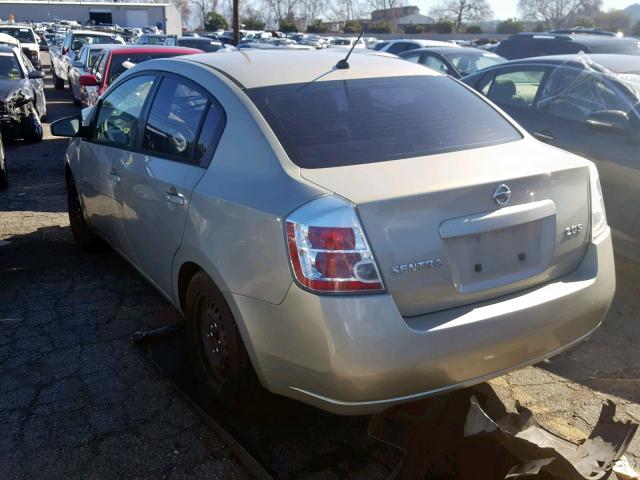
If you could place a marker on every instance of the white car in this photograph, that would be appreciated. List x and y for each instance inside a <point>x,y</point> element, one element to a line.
<point>27,38</point>
<point>74,41</point>
<point>402,45</point>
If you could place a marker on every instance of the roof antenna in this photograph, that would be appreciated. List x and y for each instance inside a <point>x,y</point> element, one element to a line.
<point>344,64</point>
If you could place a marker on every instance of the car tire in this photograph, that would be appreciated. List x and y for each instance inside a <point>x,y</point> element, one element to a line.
<point>58,83</point>
<point>4,177</point>
<point>83,236</point>
<point>31,128</point>
<point>216,350</point>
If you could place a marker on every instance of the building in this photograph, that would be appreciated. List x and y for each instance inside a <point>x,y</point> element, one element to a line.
<point>401,16</point>
<point>163,15</point>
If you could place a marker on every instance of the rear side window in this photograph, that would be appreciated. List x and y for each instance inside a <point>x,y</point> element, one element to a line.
<point>175,120</point>
<point>336,123</point>
<point>516,88</point>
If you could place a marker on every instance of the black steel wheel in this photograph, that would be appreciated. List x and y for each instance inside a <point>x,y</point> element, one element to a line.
<point>215,346</point>
<point>82,234</point>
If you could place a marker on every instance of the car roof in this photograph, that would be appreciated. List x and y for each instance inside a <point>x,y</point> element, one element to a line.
<point>124,49</point>
<point>261,68</point>
<point>424,42</point>
<point>615,62</point>
<point>445,50</point>
<point>97,33</point>
<point>588,40</point>
<point>199,39</point>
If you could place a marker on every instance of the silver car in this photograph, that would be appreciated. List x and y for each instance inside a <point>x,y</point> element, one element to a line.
<point>349,234</point>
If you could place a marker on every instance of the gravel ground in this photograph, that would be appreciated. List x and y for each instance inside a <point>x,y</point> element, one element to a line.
<point>78,401</point>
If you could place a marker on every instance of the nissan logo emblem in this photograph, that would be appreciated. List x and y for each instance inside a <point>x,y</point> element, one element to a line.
<point>502,195</point>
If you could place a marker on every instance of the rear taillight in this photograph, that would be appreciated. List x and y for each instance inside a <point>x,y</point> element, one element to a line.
<point>598,213</point>
<point>328,248</point>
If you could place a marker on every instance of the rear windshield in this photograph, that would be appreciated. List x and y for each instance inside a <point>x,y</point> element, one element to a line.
<point>120,63</point>
<point>24,35</point>
<point>338,123</point>
<point>80,40</point>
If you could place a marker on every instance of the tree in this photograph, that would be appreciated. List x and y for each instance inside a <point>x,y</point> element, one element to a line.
<point>443,26</point>
<point>460,11</point>
<point>253,23</point>
<point>317,26</point>
<point>288,25</point>
<point>613,20</point>
<point>474,29</point>
<point>414,29</point>
<point>282,10</point>
<point>382,27</point>
<point>558,13</point>
<point>215,21</point>
<point>342,10</point>
<point>510,26</point>
<point>635,31</point>
<point>352,26</point>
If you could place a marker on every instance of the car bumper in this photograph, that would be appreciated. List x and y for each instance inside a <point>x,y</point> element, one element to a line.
<point>357,355</point>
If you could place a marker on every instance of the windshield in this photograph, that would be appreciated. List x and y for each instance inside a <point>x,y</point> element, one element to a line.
<point>468,63</point>
<point>80,40</point>
<point>9,67</point>
<point>341,41</point>
<point>380,45</point>
<point>337,123</point>
<point>24,35</point>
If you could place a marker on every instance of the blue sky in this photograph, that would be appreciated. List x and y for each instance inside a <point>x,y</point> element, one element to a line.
<point>509,8</point>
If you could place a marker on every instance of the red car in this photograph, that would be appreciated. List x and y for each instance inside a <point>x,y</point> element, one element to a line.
<point>116,60</point>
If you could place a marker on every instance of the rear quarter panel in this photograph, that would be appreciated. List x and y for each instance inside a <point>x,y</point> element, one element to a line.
<point>234,227</point>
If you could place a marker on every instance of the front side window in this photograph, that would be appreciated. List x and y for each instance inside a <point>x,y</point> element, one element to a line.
<point>174,120</point>
<point>117,120</point>
<point>412,57</point>
<point>467,63</point>
<point>515,88</point>
<point>10,67</point>
<point>336,123</point>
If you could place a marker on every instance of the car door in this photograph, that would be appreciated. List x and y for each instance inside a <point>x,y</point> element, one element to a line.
<point>113,135</point>
<point>515,89</point>
<point>563,109</point>
<point>183,123</point>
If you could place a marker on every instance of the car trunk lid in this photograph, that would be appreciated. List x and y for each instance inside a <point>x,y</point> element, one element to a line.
<point>440,238</point>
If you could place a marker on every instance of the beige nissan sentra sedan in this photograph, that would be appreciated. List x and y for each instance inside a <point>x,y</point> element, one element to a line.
<point>350,237</point>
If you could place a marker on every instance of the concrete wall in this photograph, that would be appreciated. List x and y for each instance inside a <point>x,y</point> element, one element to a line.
<point>165,15</point>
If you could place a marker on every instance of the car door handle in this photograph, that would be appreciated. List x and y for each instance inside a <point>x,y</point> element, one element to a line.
<point>172,196</point>
<point>544,136</point>
<point>114,176</point>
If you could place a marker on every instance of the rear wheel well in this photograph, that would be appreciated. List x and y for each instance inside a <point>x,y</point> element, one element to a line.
<point>187,271</point>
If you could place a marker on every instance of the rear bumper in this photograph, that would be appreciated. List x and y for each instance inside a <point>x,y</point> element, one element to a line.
<point>358,355</point>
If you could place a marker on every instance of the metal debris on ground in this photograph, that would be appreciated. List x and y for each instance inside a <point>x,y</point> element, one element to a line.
<point>623,470</point>
<point>523,437</point>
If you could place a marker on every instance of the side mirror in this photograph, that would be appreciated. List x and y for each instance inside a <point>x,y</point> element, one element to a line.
<point>36,74</point>
<point>609,121</point>
<point>88,80</point>
<point>67,127</point>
